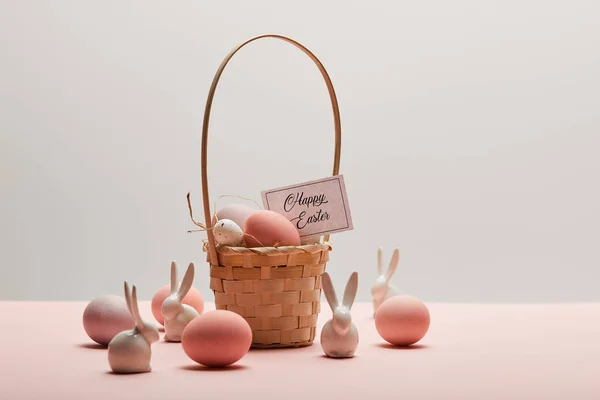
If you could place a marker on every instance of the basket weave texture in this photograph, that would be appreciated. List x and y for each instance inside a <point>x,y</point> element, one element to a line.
<point>276,290</point>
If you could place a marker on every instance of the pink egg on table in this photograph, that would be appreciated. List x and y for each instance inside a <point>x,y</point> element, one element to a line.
<point>192,299</point>
<point>217,338</point>
<point>267,228</point>
<point>106,316</point>
<point>402,320</point>
<point>238,213</point>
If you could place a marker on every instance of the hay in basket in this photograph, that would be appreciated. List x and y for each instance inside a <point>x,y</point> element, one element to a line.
<point>276,289</point>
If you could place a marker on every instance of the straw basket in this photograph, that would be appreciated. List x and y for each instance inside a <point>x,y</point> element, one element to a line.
<point>276,290</point>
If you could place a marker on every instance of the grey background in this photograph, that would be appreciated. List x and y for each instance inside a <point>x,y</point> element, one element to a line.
<point>470,138</point>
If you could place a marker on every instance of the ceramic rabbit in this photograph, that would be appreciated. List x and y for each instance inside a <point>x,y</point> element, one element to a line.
<point>130,351</point>
<point>339,336</point>
<point>381,289</point>
<point>178,315</point>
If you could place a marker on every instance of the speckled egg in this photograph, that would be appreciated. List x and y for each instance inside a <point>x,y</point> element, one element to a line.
<point>402,320</point>
<point>267,228</point>
<point>217,338</point>
<point>106,316</point>
<point>228,233</point>
<point>193,299</point>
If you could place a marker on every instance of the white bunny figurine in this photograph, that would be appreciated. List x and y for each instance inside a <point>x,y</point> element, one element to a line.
<point>178,315</point>
<point>130,351</point>
<point>381,289</point>
<point>339,336</point>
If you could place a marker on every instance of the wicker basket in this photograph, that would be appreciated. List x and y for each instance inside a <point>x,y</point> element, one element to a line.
<point>277,290</point>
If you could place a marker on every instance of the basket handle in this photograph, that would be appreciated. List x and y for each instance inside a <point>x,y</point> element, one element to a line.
<point>336,120</point>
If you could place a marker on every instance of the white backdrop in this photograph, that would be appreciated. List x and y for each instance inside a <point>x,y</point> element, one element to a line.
<point>470,138</point>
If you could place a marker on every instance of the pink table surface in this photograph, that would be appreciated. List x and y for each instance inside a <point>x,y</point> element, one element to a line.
<point>472,351</point>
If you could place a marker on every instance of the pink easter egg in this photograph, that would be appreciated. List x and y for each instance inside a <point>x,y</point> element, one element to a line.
<point>217,338</point>
<point>105,316</point>
<point>267,228</point>
<point>193,299</point>
<point>402,320</point>
<point>238,213</point>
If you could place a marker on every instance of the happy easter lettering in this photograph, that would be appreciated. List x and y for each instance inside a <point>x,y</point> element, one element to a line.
<point>298,199</point>
<point>317,207</point>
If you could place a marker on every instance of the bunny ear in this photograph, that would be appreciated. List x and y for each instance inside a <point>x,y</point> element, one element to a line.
<point>351,289</point>
<point>127,297</point>
<point>329,291</point>
<point>186,284</point>
<point>173,277</point>
<point>380,261</point>
<point>135,307</point>
<point>393,265</point>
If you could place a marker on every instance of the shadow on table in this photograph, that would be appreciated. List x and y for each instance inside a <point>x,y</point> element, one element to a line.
<point>324,356</point>
<point>127,373</point>
<point>406,348</point>
<point>279,349</point>
<point>163,342</point>
<point>234,367</point>
<point>92,346</point>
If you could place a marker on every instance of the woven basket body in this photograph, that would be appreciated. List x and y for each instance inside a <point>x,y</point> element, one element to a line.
<point>276,290</point>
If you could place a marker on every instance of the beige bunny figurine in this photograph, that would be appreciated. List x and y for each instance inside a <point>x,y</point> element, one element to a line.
<point>178,315</point>
<point>339,336</point>
<point>382,289</point>
<point>130,351</point>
